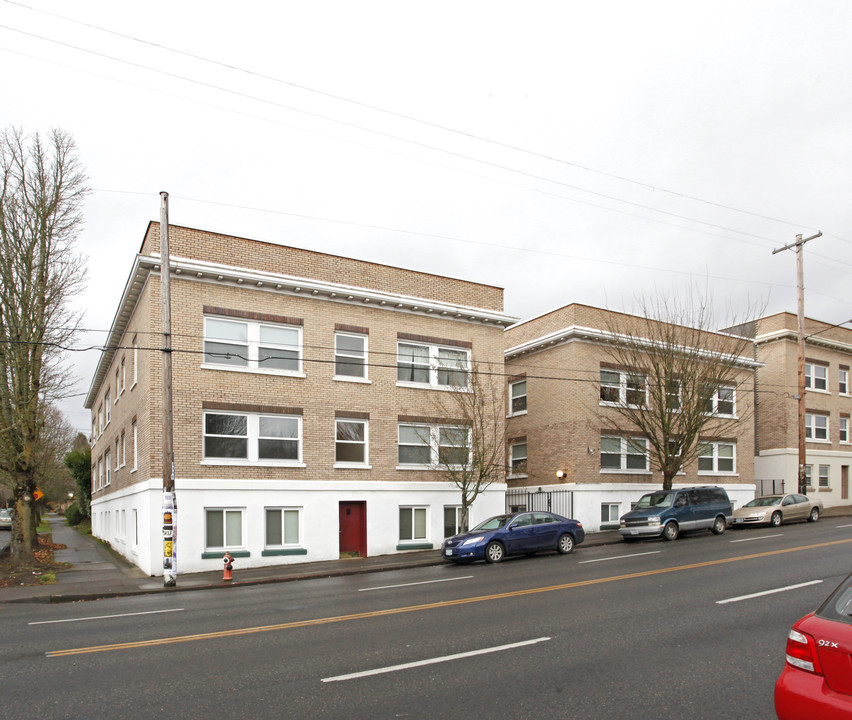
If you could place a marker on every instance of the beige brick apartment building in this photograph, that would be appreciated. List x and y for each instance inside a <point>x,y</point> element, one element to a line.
<point>828,406</point>
<point>304,387</point>
<point>563,385</point>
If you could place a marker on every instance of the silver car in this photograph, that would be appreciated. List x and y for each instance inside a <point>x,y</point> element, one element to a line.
<point>772,510</point>
<point>5,519</point>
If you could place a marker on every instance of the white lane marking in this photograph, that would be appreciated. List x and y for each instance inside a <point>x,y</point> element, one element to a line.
<point>619,557</point>
<point>104,617</point>
<point>760,537</point>
<point>843,526</point>
<point>424,582</point>
<point>433,661</point>
<point>768,592</point>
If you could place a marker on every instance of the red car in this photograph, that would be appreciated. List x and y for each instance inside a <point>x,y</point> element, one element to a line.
<point>817,678</point>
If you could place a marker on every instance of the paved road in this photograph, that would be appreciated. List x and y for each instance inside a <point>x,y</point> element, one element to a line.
<point>643,630</point>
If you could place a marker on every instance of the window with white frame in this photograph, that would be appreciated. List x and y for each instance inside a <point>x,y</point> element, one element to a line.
<point>135,360</point>
<point>432,445</point>
<point>283,527</point>
<point>518,397</point>
<point>452,520</point>
<point>100,419</point>
<point>251,437</point>
<point>123,376</point>
<point>412,524</point>
<point>134,528</point>
<point>123,448</point>
<point>610,512</point>
<point>816,376</point>
<point>843,380</point>
<point>816,427</point>
<point>719,399</point>
<point>350,442</point>
<point>100,476</point>
<point>673,394</point>
<point>825,476</point>
<point>623,388</point>
<point>350,356</point>
<point>252,345</point>
<point>844,429</point>
<point>223,528</point>
<point>716,457</point>
<point>135,441</point>
<point>809,472</point>
<point>624,454</point>
<point>117,384</point>
<point>107,408</point>
<point>117,453</point>
<point>107,468</point>
<point>432,365</point>
<point>518,459</point>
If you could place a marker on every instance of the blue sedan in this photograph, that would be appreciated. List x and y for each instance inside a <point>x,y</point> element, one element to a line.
<point>522,533</point>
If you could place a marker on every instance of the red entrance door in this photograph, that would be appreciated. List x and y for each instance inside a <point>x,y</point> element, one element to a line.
<point>353,529</point>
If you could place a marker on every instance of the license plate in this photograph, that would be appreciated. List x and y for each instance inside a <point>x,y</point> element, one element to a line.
<point>449,551</point>
<point>634,532</point>
<point>737,521</point>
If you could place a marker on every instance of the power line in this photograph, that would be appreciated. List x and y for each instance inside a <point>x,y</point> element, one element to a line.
<point>411,118</point>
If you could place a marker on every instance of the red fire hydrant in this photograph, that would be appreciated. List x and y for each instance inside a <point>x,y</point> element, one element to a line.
<point>229,565</point>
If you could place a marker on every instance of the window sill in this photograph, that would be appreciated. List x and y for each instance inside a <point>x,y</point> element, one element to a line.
<point>415,546</point>
<point>428,386</point>
<point>818,442</point>
<point>438,468</point>
<point>817,390</point>
<point>352,466</point>
<point>619,471</point>
<point>254,371</point>
<point>218,554</point>
<point>517,477</point>
<point>344,378</point>
<point>709,473</point>
<point>252,463</point>
<point>606,403</point>
<point>284,551</point>
<point>517,414</point>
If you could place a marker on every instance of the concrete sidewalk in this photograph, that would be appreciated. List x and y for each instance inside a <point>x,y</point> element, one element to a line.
<point>97,572</point>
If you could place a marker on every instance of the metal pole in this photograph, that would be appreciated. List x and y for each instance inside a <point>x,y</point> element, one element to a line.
<point>169,495</point>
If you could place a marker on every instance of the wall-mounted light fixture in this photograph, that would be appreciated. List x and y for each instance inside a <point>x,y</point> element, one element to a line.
<point>561,474</point>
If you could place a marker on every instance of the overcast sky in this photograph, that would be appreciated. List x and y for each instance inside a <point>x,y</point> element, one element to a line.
<point>566,151</point>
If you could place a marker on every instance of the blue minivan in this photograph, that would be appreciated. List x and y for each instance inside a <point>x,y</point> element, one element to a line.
<point>668,513</point>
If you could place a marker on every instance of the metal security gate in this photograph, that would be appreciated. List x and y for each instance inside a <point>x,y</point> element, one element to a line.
<point>560,502</point>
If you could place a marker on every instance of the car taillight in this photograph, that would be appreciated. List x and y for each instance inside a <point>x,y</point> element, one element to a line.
<point>801,652</point>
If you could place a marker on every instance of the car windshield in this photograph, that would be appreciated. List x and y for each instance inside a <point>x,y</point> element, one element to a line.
<point>763,502</point>
<point>657,499</point>
<point>494,523</point>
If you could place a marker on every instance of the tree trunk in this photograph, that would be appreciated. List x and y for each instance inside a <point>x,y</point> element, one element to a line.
<point>23,533</point>
<point>668,477</point>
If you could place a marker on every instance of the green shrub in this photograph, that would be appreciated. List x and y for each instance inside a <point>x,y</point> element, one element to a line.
<point>73,516</point>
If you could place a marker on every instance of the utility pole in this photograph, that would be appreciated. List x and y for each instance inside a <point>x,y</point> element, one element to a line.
<point>800,297</point>
<point>169,495</point>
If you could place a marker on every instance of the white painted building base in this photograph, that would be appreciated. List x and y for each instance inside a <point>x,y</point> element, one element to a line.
<point>588,498</point>
<point>783,464</point>
<point>130,520</point>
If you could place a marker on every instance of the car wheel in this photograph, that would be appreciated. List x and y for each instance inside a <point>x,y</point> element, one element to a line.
<point>566,544</point>
<point>719,526</point>
<point>671,531</point>
<point>494,552</point>
<point>814,516</point>
<point>775,520</point>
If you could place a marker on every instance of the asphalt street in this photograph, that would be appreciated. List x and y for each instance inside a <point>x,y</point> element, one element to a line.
<point>694,628</point>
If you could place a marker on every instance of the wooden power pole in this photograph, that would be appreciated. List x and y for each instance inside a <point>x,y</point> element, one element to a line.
<point>800,298</point>
<point>169,495</point>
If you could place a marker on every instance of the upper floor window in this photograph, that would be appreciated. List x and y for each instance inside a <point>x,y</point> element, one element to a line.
<point>844,429</point>
<point>719,400</point>
<point>673,395</point>
<point>350,442</point>
<point>107,467</point>
<point>843,381</point>
<point>518,397</point>
<point>252,345</point>
<point>135,374</point>
<point>432,365</point>
<point>716,457</point>
<point>350,356</point>
<point>433,445</point>
<point>624,454</point>
<point>250,437</point>
<point>816,427</point>
<point>623,388</point>
<point>107,408</point>
<point>518,459</point>
<point>816,377</point>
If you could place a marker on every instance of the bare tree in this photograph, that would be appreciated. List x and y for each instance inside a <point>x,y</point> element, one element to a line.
<point>41,197</point>
<point>472,446</point>
<point>672,382</point>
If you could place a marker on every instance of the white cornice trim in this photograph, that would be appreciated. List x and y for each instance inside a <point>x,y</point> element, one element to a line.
<point>574,333</point>
<point>787,334</point>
